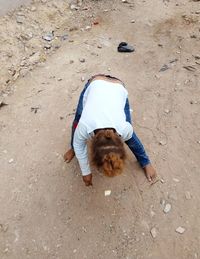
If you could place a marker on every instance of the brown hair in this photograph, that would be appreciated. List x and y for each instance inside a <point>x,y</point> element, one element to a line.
<point>107,152</point>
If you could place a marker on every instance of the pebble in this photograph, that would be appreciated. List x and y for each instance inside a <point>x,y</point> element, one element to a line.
<point>167,208</point>
<point>162,202</point>
<point>87,28</point>
<point>11,161</point>
<point>33,8</point>
<point>167,111</point>
<point>74,7</point>
<point>132,21</point>
<point>180,230</point>
<point>20,19</point>
<point>107,193</point>
<point>82,60</point>
<point>176,180</point>
<point>125,1</point>
<point>162,142</point>
<point>188,195</point>
<point>154,232</point>
<point>82,78</point>
<point>48,37</point>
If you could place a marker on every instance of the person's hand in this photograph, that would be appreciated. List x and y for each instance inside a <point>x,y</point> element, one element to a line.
<point>87,179</point>
<point>150,172</point>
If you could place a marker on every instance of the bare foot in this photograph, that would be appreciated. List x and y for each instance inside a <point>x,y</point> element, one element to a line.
<point>68,156</point>
<point>150,172</point>
<point>87,179</point>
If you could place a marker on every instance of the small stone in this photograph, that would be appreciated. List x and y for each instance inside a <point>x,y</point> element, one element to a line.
<point>59,79</point>
<point>49,36</point>
<point>71,61</point>
<point>87,28</point>
<point>82,78</point>
<point>162,142</point>
<point>99,47</point>
<point>154,232</point>
<point>132,21</point>
<point>20,19</point>
<point>11,161</point>
<point>107,192</point>
<point>125,1</point>
<point>197,12</point>
<point>167,111</point>
<point>82,60</point>
<point>109,69</point>
<point>167,208</point>
<point>188,195</point>
<point>180,230</point>
<point>162,180</point>
<point>74,7</point>
<point>162,202</point>
<point>176,180</point>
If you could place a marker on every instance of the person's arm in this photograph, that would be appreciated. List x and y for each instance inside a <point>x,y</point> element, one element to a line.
<point>135,145</point>
<point>80,148</point>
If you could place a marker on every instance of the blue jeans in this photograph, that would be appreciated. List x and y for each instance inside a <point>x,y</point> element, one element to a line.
<point>133,143</point>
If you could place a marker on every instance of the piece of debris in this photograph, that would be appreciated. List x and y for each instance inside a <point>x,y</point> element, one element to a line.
<point>107,193</point>
<point>154,232</point>
<point>11,161</point>
<point>82,60</point>
<point>35,109</point>
<point>176,180</point>
<point>49,36</point>
<point>2,103</point>
<point>164,68</point>
<point>190,68</point>
<point>180,230</point>
<point>125,47</point>
<point>167,208</point>
<point>162,142</point>
<point>188,195</point>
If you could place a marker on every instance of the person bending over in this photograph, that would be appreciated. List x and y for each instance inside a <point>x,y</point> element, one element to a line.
<point>103,115</point>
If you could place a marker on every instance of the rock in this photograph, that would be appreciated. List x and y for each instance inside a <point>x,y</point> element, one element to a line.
<point>47,46</point>
<point>87,28</point>
<point>82,78</point>
<point>107,192</point>
<point>167,208</point>
<point>125,1</point>
<point>35,58</point>
<point>99,46</point>
<point>176,180</point>
<point>49,36</point>
<point>82,60</point>
<point>132,21</point>
<point>167,111</point>
<point>11,161</point>
<point>154,232</point>
<point>162,142</point>
<point>180,230</point>
<point>162,202</point>
<point>188,195</point>
<point>197,12</point>
<point>20,19</point>
<point>74,7</point>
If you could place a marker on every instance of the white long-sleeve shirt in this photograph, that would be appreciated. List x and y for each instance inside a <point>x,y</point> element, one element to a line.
<point>103,107</point>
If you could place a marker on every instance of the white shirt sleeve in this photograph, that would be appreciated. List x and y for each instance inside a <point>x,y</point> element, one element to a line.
<point>127,132</point>
<point>80,147</point>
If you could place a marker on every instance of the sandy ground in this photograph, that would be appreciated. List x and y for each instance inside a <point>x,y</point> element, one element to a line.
<point>46,211</point>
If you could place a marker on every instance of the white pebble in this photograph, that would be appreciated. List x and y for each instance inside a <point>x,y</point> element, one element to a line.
<point>176,180</point>
<point>180,230</point>
<point>154,232</point>
<point>11,161</point>
<point>167,208</point>
<point>188,195</point>
<point>107,192</point>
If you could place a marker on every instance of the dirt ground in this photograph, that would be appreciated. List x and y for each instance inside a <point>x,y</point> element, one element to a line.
<point>46,211</point>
